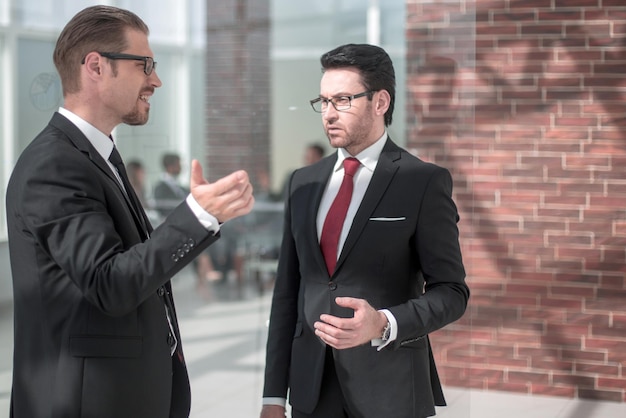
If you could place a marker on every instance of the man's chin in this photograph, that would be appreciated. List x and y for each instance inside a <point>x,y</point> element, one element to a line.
<point>336,141</point>
<point>136,120</point>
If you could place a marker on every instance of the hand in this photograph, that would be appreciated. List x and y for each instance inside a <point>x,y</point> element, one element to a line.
<point>272,411</point>
<point>341,333</point>
<point>226,198</point>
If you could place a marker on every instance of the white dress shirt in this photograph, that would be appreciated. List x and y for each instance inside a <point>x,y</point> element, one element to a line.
<point>104,145</point>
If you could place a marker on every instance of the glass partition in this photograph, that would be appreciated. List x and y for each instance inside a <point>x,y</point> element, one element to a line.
<point>38,89</point>
<point>300,34</point>
<point>37,15</point>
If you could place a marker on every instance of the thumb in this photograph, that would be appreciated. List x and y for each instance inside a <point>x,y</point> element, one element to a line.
<point>197,177</point>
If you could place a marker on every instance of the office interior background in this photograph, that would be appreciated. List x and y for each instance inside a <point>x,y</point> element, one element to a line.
<point>524,101</point>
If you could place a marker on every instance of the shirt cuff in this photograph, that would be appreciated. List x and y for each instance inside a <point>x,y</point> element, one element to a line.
<point>207,220</point>
<point>378,342</point>
<point>275,401</point>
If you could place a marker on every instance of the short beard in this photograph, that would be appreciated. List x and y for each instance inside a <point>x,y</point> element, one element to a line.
<point>135,118</point>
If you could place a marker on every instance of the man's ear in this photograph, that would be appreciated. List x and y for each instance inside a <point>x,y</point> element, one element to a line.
<point>382,99</point>
<point>93,63</point>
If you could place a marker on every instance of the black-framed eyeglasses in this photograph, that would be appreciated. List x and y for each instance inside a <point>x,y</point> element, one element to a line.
<point>340,103</point>
<point>148,62</point>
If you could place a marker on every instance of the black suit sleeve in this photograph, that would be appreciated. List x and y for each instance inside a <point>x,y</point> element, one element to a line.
<point>81,220</point>
<point>438,249</point>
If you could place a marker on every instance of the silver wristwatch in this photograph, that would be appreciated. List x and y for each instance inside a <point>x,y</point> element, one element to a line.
<point>386,332</point>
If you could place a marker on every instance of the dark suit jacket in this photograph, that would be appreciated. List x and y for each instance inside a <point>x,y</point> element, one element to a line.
<point>91,334</point>
<point>404,236</point>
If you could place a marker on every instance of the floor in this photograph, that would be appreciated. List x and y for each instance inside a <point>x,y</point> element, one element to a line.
<point>224,341</point>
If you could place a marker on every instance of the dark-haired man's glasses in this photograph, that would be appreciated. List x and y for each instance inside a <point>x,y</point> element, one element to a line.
<point>148,62</point>
<point>340,103</point>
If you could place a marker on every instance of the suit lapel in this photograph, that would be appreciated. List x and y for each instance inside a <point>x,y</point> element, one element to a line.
<point>322,175</point>
<point>81,142</point>
<point>306,197</point>
<point>385,171</point>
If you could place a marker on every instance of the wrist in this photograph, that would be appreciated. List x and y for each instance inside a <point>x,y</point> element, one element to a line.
<point>385,329</point>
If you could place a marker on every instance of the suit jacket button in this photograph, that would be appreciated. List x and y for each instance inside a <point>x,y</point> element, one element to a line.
<point>332,285</point>
<point>160,291</point>
<point>180,254</point>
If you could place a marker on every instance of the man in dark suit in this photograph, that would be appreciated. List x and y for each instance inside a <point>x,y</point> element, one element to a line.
<point>168,193</point>
<point>350,316</point>
<point>96,333</point>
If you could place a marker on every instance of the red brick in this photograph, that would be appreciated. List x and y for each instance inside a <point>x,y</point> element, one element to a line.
<point>601,395</point>
<point>565,391</point>
<point>585,355</point>
<point>548,364</point>
<point>601,370</point>
<point>603,343</point>
<point>573,379</point>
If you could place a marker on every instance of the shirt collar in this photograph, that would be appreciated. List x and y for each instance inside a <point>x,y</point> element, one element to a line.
<point>368,157</point>
<point>101,142</point>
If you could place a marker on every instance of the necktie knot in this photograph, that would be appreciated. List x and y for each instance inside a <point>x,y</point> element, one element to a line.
<point>350,166</point>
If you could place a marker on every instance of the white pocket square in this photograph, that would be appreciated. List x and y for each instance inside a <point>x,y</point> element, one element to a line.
<point>384,219</point>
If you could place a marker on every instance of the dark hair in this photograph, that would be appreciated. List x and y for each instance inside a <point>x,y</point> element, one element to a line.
<point>96,28</point>
<point>170,159</point>
<point>134,165</point>
<point>372,62</point>
<point>318,148</point>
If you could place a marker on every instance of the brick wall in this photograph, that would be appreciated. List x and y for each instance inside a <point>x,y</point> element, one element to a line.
<point>237,89</point>
<point>525,102</point>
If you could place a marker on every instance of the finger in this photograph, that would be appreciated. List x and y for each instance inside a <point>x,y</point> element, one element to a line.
<point>239,199</point>
<point>197,177</point>
<point>334,321</point>
<point>236,181</point>
<point>348,302</point>
<point>238,194</point>
<point>326,338</point>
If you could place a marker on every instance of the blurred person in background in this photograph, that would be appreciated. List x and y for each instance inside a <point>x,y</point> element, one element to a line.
<point>168,193</point>
<point>137,177</point>
<point>313,153</point>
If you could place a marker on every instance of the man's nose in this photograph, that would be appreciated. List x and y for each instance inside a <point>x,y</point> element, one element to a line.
<point>330,113</point>
<point>155,80</point>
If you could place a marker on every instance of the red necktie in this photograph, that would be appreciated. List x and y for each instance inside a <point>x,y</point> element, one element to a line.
<point>337,214</point>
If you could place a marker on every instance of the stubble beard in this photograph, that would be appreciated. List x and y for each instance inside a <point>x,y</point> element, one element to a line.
<point>136,118</point>
<point>354,139</point>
